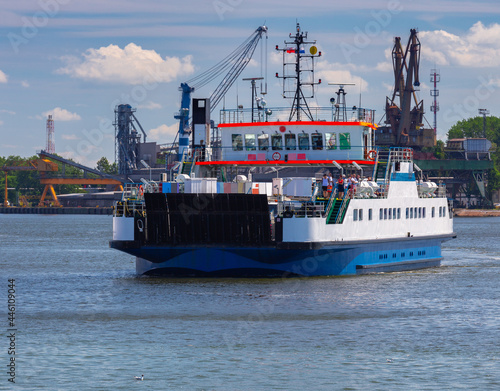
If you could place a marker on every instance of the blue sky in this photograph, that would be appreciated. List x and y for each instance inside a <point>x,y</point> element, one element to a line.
<point>77,60</point>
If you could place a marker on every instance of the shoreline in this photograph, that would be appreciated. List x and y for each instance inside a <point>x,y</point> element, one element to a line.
<point>476,212</point>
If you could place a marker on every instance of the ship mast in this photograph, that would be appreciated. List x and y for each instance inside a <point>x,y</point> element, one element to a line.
<point>301,72</point>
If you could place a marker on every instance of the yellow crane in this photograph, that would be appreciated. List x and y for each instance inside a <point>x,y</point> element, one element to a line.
<point>42,165</point>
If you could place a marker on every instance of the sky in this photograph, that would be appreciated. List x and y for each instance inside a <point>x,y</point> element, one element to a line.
<point>78,60</point>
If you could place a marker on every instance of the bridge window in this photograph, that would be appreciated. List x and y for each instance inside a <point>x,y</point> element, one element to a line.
<point>303,141</point>
<point>250,142</point>
<point>290,141</point>
<point>419,213</point>
<point>330,141</point>
<point>355,215</point>
<point>263,140</point>
<point>317,141</point>
<point>277,142</point>
<point>390,214</point>
<point>345,140</point>
<point>385,213</point>
<point>381,217</point>
<point>444,211</point>
<point>360,214</point>
<point>423,212</point>
<point>415,212</point>
<point>399,213</point>
<point>433,212</point>
<point>370,213</point>
<point>407,213</point>
<point>411,213</point>
<point>237,142</point>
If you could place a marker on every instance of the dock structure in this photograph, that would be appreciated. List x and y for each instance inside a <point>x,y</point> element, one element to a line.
<point>459,174</point>
<point>57,210</point>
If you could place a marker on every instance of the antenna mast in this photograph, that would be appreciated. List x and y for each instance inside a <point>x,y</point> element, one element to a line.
<point>303,74</point>
<point>435,78</point>
<point>51,144</point>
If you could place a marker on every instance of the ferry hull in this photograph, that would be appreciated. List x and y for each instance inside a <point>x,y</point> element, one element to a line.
<point>289,260</point>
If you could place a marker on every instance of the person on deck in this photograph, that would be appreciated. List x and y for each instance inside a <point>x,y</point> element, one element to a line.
<point>340,186</point>
<point>324,184</point>
<point>330,185</point>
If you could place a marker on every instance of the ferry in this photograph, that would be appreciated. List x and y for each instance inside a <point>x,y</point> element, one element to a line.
<point>252,204</point>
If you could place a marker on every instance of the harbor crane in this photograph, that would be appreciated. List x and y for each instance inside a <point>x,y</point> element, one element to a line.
<point>231,67</point>
<point>404,121</point>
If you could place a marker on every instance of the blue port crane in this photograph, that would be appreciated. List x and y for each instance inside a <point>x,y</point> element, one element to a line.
<point>231,66</point>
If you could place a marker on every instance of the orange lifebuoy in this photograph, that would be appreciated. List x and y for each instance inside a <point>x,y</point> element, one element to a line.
<point>372,155</point>
<point>276,156</point>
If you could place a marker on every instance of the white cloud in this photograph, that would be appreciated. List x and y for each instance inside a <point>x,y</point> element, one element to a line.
<point>25,84</point>
<point>3,77</point>
<point>388,87</point>
<point>339,73</point>
<point>385,66</point>
<point>59,114</point>
<point>131,65</point>
<point>70,137</point>
<point>149,106</point>
<point>163,133</point>
<point>8,112</point>
<point>479,47</point>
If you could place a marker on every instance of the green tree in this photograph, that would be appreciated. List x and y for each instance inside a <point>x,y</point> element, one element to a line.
<point>105,167</point>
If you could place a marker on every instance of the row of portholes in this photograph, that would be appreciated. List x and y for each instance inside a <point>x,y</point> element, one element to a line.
<point>316,141</point>
<point>394,255</point>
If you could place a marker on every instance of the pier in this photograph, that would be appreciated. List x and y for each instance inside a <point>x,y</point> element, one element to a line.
<point>58,210</point>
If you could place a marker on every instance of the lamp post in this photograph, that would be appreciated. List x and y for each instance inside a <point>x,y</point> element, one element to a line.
<point>146,165</point>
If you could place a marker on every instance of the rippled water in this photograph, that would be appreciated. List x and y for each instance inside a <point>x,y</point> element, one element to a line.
<point>86,321</point>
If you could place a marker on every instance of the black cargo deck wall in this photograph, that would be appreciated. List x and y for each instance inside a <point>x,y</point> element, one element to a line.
<point>231,219</point>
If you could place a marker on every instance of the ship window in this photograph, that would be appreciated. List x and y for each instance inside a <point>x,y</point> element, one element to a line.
<point>440,212</point>
<point>303,141</point>
<point>390,214</point>
<point>423,212</point>
<point>370,214</point>
<point>407,213</point>
<point>411,213</point>
<point>317,141</point>
<point>399,213</point>
<point>415,212</point>
<point>433,212</point>
<point>394,213</point>
<point>277,142</point>
<point>444,211</point>
<point>330,141</point>
<point>250,142</point>
<point>263,142</point>
<point>345,140</point>
<point>290,141</point>
<point>381,217</point>
<point>360,214</point>
<point>237,142</point>
<point>355,215</point>
<point>385,213</point>
<point>419,213</point>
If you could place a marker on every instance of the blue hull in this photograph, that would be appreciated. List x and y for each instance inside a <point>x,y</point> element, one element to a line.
<point>316,260</point>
